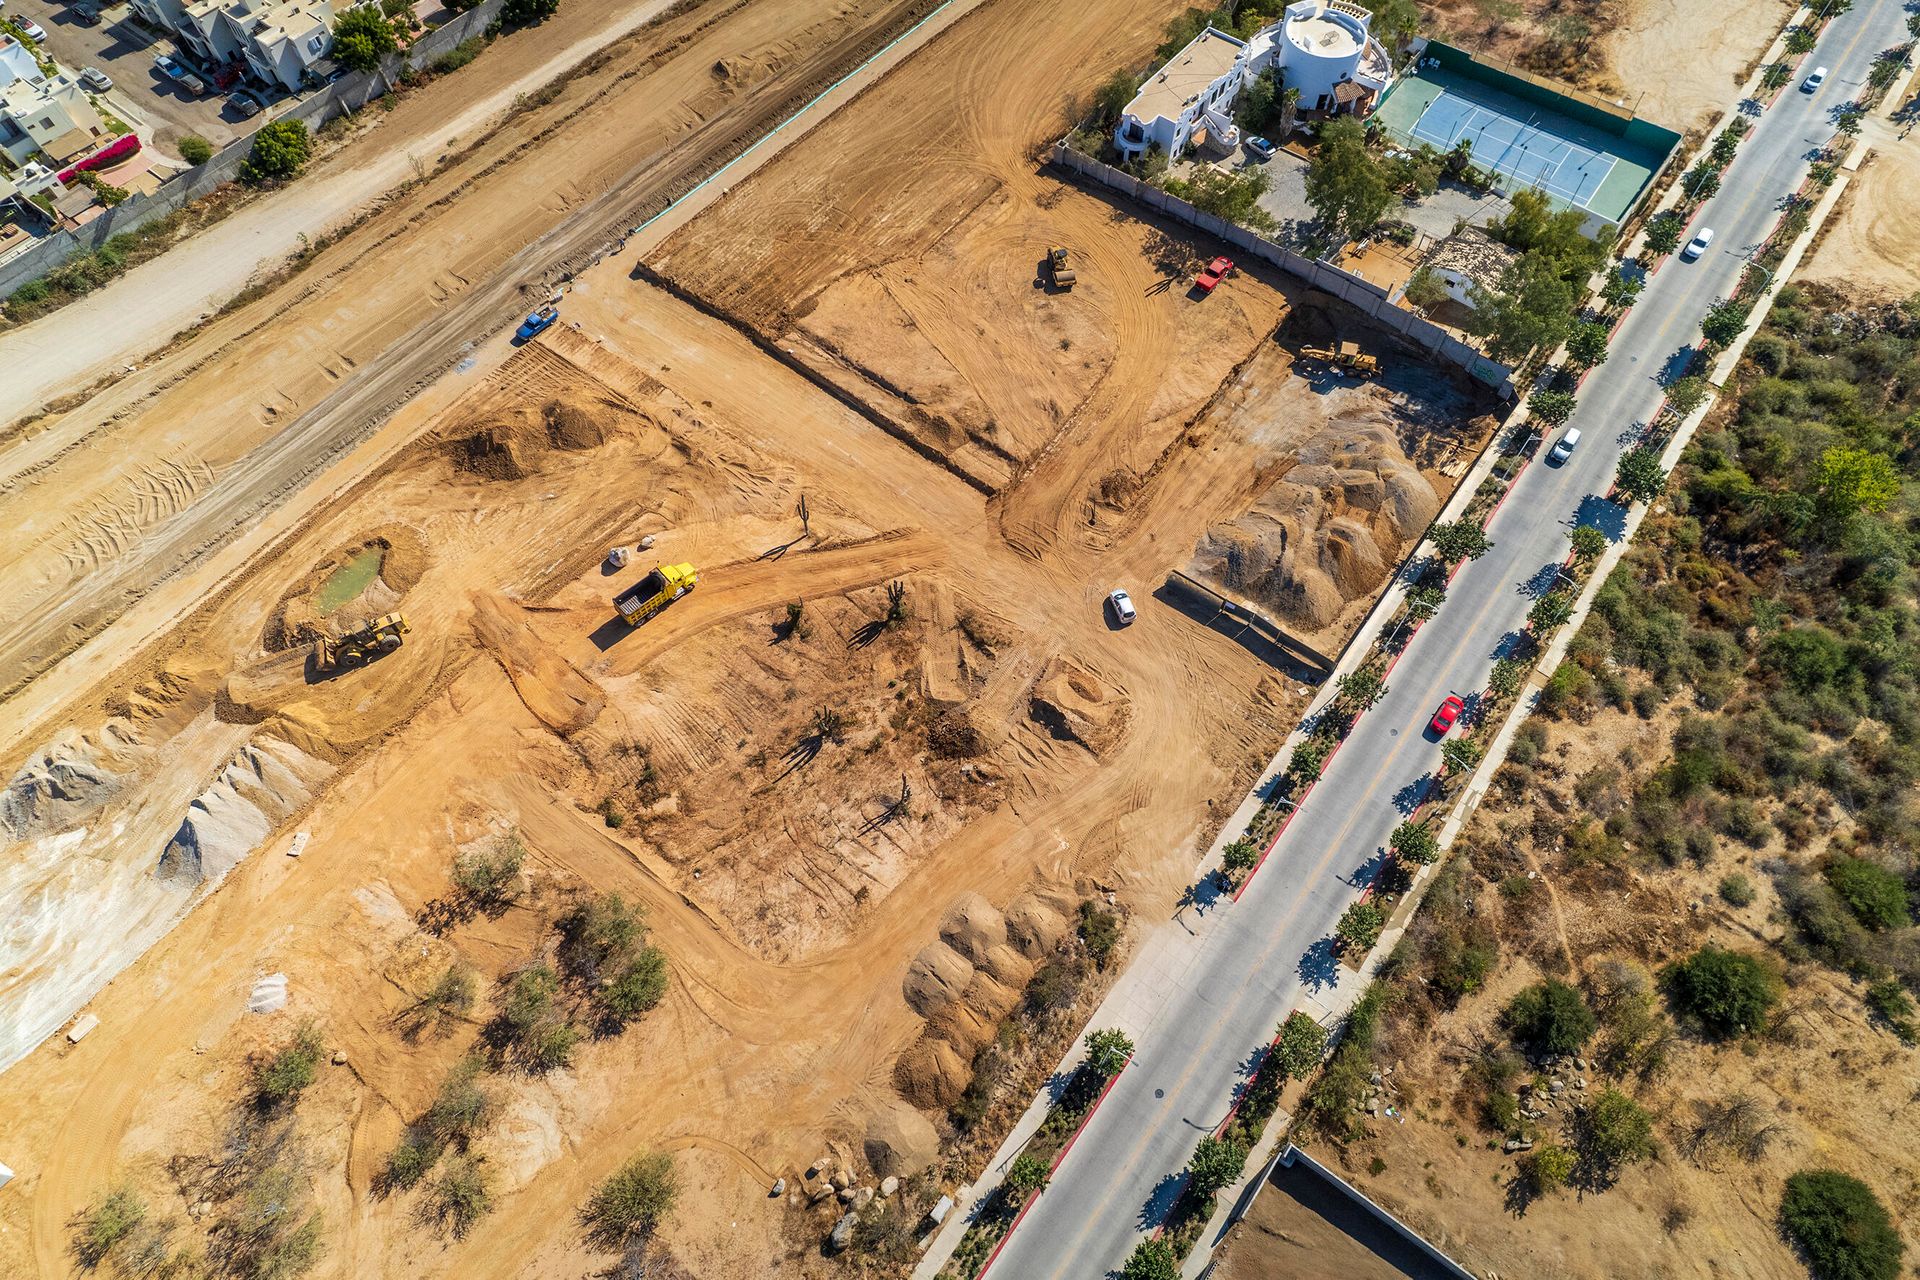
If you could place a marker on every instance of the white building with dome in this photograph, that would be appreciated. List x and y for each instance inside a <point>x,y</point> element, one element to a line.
<point>1323,48</point>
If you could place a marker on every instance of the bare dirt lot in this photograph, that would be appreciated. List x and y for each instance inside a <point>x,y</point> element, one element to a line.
<point>1872,245</point>
<point>859,826</point>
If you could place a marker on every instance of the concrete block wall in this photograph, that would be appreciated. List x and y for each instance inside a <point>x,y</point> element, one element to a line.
<point>348,94</point>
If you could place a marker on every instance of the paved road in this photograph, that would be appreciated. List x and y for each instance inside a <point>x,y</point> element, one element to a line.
<point>1217,994</point>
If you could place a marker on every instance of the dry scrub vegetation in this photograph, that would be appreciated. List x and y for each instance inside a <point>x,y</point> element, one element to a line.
<point>1656,1015</point>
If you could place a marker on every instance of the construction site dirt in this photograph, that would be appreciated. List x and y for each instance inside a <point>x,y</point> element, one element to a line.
<point>861,778</point>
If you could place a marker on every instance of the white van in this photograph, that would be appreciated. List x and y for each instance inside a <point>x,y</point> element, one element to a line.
<point>1563,448</point>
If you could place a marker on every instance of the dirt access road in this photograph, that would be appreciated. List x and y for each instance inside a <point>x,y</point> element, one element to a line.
<point>147,477</point>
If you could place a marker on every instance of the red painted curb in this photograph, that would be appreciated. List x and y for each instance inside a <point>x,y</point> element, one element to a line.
<point>1234,1110</point>
<point>1075,1137</point>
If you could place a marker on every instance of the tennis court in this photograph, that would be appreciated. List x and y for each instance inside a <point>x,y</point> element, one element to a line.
<point>1532,155</point>
<point>1584,156</point>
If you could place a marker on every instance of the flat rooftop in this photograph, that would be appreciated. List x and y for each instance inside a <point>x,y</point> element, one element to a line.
<point>1322,37</point>
<point>1185,77</point>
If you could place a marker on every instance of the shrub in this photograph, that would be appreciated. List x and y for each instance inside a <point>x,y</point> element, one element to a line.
<point>1889,1000</point>
<point>1100,932</point>
<point>1028,1173</point>
<point>635,1200</point>
<point>1737,890</point>
<point>1303,1042</point>
<point>282,1077</point>
<point>195,149</point>
<point>460,1197</point>
<point>1108,1051</point>
<point>639,986</point>
<point>280,151</point>
<point>549,1046</point>
<point>1551,1018</point>
<point>461,1109</point>
<point>486,876</point>
<point>461,54</point>
<point>1547,1168</point>
<point>1615,1131</point>
<point>1728,993</point>
<point>1840,1227</point>
<point>410,1161</point>
<point>527,13</point>
<point>1360,925</point>
<point>1053,987</point>
<point>1876,896</point>
<point>103,1226</point>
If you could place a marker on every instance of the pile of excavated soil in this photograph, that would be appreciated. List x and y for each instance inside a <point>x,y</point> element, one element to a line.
<point>265,783</point>
<point>965,984</point>
<point>900,1141</point>
<point>514,444</point>
<point>1328,531</point>
<point>1075,706</point>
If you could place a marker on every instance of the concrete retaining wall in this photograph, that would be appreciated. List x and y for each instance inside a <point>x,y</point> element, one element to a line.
<point>1349,288</point>
<point>344,96</point>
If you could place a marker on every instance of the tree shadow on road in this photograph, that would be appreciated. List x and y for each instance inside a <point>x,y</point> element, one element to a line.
<point>1319,968</point>
<point>1166,1194</point>
<point>1597,512</point>
<point>1408,798</point>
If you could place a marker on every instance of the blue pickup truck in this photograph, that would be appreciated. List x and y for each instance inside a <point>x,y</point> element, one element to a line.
<point>538,322</point>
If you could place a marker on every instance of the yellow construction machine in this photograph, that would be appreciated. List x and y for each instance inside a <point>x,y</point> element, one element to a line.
<point>660,588</point>
<point>1058,269</point>
<point>1347,356</point>
<point>382,635</point>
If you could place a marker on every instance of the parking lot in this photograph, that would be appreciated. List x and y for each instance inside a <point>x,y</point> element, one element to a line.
<point>154,105</point>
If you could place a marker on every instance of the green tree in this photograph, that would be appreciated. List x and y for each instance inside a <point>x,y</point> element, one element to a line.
<point>639,986</point>
<point>1588,542</point>
<point>1415,842</point>
<point>1240,856</point>
<point>1551,407</point>
<point>1028,1173</point>
<point>1724,321</point>
<point>1724,145</point>
<point>1303,1042</point>
<point>1549,613</point>
<point>1425,289</point>
<point>1875,895</point>
<point>1233,196</point>
<point>1108,1051</point>
<point>1308,759</point>
<point>527,13</point>
<point>1587,344</point>
<point>195,149</point>
<point>1663,233</point>
<point>1112,97</point>
<point>1800,40</point>
<point>1508,674</point>
<point>636,1199</point>
<point>1551,1017</point>
<point>1555,238</point>
<point>279,152</point>
<point>1854,482</point>
<point>1395,22</point>
<point>1728,993</point>
<point>1361,688</point>
<point>1460,755</point>
<point>1347,187</point>
<point>1615,1131</point>
<point>1640,477</point>
<point>1530,308</point>
<point>1848,121</point>
<point>1360,925</point>
<point>1702,182</point>
<point>1459,540</point>
<point>1685,395</point>
<point>1840,1227</point>
<point>1215,1164</point>
<point>1621,289</point>
<point>1152,1260</point>
<point>362,36</point>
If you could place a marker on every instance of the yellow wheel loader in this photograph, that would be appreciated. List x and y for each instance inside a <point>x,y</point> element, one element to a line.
<point>382,635</point>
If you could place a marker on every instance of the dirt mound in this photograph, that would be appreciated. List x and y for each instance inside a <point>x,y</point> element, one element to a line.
<point>973,927</point>
<point>1073,705</point>
<point>265,783</point>
<point>54,791</point>
<point>936,978</point>
<point>990,999</point>
<point>1034,927</point>
<point>962,1026</point>
<point>1328,531</point>
<point>931,1074</point>
<point>579,422</point>
<point>1007,967</point>
<point>498,451</point>
<point>964,732</point>
<point>565,698</point>
<point>900,1141</point>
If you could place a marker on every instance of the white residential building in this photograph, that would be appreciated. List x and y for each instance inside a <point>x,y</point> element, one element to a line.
<point>54,116</point>
<point>17,63</point>
<point>272,42</point>
<point>1469,259</point>
<point>1322,48</point>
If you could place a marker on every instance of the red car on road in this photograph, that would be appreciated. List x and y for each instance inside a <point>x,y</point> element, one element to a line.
<point>1448,713</point>
<point>1216,271</point>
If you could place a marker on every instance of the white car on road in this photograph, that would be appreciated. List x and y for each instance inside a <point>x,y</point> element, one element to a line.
<point>1122,605</point>
<point>1698,245</point>
<point>1815,78</point>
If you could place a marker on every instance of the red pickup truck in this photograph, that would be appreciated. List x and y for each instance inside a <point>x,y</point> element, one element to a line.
<point>1216,271</point>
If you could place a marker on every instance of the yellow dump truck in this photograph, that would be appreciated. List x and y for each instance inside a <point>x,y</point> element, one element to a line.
<point>660,588</point>
<point>382,635</point>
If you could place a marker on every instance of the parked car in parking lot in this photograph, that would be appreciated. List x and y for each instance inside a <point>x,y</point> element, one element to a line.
<point>34,31</point>
<point>87,14</point>
<point>1261,148</point>
<point>179,74</point>
<point>243,102</point>
<point>95,79</point>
